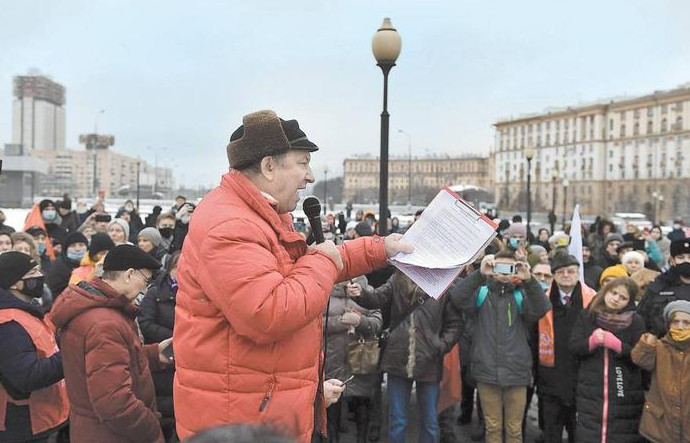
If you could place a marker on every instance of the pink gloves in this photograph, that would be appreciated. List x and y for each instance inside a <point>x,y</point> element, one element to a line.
<point>599,337</point>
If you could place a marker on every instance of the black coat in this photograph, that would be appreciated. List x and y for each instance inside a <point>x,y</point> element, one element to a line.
<point>22,371</point>
<point>666,288</point>
<point>433,328</point>
<point>179,234</point>
<point>560,380</point>
<point>59,274</point>
<point>156,320</point>
<point>592,274</point>
<point>625,397</point>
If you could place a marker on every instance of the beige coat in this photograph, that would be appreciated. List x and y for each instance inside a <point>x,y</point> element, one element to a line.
<point>666,416</point>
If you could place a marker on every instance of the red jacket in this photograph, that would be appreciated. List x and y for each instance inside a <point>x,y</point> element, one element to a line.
<point>248,320</point>
<point>106,367</point>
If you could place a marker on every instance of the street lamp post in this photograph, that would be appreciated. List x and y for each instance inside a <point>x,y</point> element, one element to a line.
<point>529,155</point>
<point>566,183</point>
<point>386,46</point>
<point>552,216</point>
<point>654,205</point>
<point>138,171</point>
<point>409,166</point>
<point>325,189</point>
<point>660,216</point>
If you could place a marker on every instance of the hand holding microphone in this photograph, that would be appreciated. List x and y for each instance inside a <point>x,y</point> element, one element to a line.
<point>312,209</point>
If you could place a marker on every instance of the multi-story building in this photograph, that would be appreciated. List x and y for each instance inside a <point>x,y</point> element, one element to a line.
<point>38,113</point>
<point>414,180</point>
<point>621,155</point>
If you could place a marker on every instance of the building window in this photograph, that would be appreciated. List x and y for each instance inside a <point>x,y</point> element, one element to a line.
<point>650,111</point>
<point>611,124</point>
<point>623,130</point>
<point>664,109</point>
<point>679,124</point>
<point>636,129</point>
<point>679,107</point>
<point>650,127</point>
<point>664,125</point>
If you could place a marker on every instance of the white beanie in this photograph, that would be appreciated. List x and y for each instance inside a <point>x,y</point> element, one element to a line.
<point>632,256</point>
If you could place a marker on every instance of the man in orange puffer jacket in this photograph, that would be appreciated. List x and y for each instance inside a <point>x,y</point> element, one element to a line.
<point>248,321</point>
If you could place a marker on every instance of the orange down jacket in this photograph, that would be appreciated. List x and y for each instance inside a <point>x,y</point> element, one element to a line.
<point>248,320</point>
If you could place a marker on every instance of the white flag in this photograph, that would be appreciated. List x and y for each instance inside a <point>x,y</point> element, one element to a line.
<point>575,247</point>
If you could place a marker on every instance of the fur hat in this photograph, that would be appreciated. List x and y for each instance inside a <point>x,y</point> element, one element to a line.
<point>152,235</point>
<point>124,257</point>
<point>632,256</point>
<point>75,237</point>
<point>262,134</point>
<point>563,260</point>
<point>680,246</point>
<point>13,266</point>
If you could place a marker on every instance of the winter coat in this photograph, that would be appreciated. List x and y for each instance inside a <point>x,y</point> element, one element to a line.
<point>249,314</point>
<point>340,336</point>
<point>70,222</point>
<point>606,261</point>
<point>178,237</point>
<point>415,347</point>
<point>607,383</point>
<point>106,366</point>
<point>665,417</point>
<point>592,274</point>
<point>666,288</point>
<point>500,352</point>
<point>156,319</point>
<point>84,272</point>
<point>33,399</point>
<point>560,380</point>
<point>58,277</point>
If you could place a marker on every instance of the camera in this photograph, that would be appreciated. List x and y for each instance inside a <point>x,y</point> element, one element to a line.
<point>504,268</point>
<point>102,218</point>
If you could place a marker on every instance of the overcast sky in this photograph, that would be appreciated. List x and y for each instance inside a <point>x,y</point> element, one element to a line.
<point>179,75</point>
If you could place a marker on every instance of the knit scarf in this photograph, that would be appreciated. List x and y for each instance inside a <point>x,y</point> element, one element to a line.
<point>615,322</point>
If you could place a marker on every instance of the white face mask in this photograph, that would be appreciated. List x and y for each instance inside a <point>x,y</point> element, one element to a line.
<point>676,226</point>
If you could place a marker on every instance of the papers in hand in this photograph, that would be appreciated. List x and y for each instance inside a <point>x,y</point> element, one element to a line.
<point>449,235</point>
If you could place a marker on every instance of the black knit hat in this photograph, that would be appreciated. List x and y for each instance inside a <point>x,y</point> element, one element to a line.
<point>100,242</point>
<point>124,257</point>
<point>363,229</point>
<point>680,246</point>
<point>13,266</point>
<point>563,260</point>
<point>262,134</point>
<point>35,231</point>
<point>75,237</point>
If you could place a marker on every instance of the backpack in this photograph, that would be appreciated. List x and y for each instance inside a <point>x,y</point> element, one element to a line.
<point>484,291</point>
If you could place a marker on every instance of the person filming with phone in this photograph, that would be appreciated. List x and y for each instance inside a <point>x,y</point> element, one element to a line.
<point>505,301</point>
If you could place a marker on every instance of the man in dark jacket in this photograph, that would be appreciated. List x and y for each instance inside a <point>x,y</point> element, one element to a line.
<point>421,331</point>
<point>70,219</point>
<point>592,270</point>
<point>672,285</point>
<point>75,247</point>
<point>609,255</point>
<point>33,399</point>
<point>107,368</point>
<point>505,304</point>
<point>557,375</point>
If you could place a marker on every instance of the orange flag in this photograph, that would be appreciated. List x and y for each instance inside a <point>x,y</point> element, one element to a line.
<point>451,386</point>
<point>35,218</point>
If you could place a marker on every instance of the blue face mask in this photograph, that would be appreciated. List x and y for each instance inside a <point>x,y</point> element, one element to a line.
<point>514,243</point>
<point>544,285</point>
<point>49,214</point>
<point>75,255</point>
<point>41,247</point>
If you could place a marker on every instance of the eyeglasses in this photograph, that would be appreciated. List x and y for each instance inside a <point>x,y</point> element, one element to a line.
<point>147,280</point>
<point>566,271</point>
<point>542,275</point>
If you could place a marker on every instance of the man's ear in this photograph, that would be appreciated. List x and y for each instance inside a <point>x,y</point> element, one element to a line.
<point>268,166</point>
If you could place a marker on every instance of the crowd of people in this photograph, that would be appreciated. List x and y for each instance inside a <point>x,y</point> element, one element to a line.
<point>226,323</point>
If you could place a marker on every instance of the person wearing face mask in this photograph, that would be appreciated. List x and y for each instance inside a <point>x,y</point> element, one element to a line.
<point>40,235</point>
<point>557,371</point>
<point>665,416</point>
<point>602,339</point>
<point>166,226</point>
<point>505,302</point>
<point>33,398</point>
<point>678,232</point>
<point>183,217</point>
<point>75,247</point>
<point>107,369</point>
<point>671,285</point>
<point>92,262</point>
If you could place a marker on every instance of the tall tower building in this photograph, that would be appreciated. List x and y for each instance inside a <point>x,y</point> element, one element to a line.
<point>38,114</point>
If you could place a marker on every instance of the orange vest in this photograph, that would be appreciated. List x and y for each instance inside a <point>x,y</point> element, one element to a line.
<point>48,407</point>
<point>547,351</point>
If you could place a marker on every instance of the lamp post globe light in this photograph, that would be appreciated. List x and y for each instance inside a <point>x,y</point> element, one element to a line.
<point>566,183</point>
<point>386,46</point>
<point>529,155</point>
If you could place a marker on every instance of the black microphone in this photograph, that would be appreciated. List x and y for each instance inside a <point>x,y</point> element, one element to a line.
<point>312,209</point>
